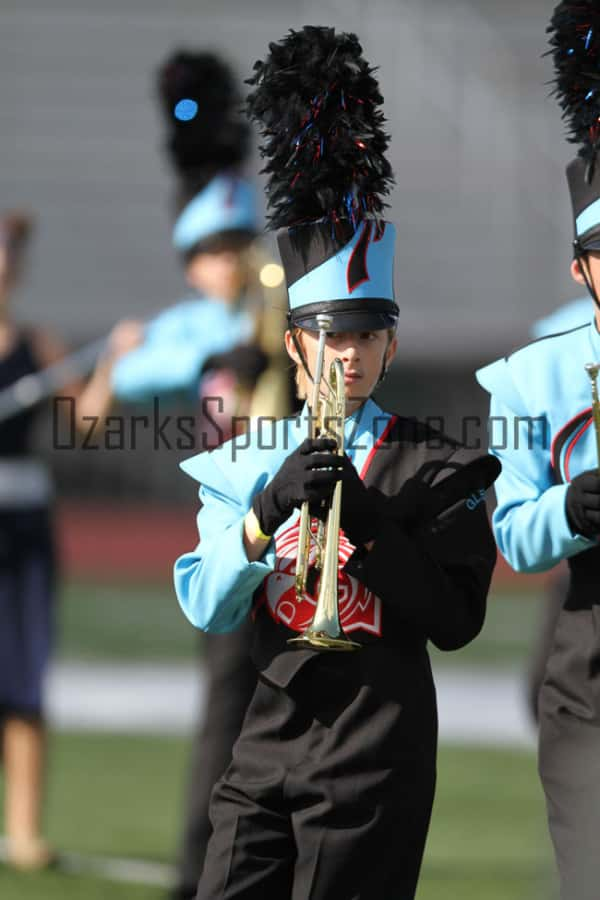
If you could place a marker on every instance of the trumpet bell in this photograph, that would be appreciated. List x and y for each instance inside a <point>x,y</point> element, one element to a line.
<point>324,640</point>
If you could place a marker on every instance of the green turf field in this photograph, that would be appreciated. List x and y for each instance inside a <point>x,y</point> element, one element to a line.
<point>108,795</point>
<point>121,795</point>
<point>123,621</point>
<point>144,622</point>
<point>54,886</point>
<point>488,838</point>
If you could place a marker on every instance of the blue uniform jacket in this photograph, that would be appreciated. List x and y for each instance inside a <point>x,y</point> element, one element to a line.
<point>542,432</point>
<point>177,344</point>
<point>215,583</point>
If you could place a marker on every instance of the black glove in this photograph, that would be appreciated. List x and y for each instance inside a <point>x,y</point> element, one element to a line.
<point>309,473</point>
<point>583,504</point>
<point>360,515</point>
<point>421,500</point>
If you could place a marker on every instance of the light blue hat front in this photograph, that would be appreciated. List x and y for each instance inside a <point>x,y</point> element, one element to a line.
<point>227,203</point>
<point>350,280</point>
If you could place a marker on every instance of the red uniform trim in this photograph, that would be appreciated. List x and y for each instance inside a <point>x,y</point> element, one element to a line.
<point>556,462</point>
<point>361,246</point>
<point>379,232</point>
<point>377,445</point>
<point>571,446</point>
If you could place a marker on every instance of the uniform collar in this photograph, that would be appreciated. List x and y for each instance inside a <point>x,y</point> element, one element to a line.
<point>362,430</point>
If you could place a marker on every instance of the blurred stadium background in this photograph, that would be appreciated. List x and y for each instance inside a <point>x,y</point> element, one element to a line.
<point>484,246</point>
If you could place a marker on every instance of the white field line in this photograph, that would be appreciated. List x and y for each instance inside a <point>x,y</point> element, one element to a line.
<point>131,871</point>
<point>478,705</point>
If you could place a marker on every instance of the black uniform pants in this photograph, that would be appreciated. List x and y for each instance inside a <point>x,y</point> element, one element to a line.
<point>231,683</point>
<point>569,766</point>
<point>328,796</point>
<point>569,748</point>
<point>544,639</point>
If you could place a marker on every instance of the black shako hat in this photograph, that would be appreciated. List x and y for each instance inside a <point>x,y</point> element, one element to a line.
<point>318,107</point>
<point>207,142</point>
<point>585,200</point>
<point>575,48</point>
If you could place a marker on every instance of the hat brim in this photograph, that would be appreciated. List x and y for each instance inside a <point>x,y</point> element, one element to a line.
<point>590,243</point>
<point>360,315</point>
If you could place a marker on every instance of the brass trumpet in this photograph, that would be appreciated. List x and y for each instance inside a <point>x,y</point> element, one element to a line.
<point>326,419</point>
<point>593,369</point>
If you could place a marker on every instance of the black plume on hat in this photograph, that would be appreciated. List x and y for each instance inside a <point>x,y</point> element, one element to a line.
<point>318,106</point>
<point>217,137</point>
<point>575,47</point>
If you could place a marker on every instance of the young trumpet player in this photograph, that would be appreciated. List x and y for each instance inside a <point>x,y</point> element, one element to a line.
<point>330,790</point>
<point>549,490</point>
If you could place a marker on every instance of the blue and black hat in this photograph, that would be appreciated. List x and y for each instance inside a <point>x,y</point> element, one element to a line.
<point>575,47</point>
<point>318,106</point>
<point>352,282</point>
<point>207,141</point>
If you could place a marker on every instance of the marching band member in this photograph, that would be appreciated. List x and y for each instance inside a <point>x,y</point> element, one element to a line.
<point>27,558</point>
<point>549,491</point>
<point>215,225</point>
<point>27,567</point>
<point>337,750</point>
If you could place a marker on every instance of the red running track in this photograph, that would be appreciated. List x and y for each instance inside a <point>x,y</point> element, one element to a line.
<point>107,542</point>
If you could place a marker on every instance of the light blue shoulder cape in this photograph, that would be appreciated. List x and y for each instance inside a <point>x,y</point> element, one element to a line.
<point>538,394</point>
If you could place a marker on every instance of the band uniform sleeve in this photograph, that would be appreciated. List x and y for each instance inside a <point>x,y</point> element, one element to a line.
<point>530,521</point>
<point>177,344</point>
<point>438,581</point>
<point>215,582</point>
<point>153,370</point>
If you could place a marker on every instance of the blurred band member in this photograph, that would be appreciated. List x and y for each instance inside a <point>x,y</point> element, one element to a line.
<point>549,490</point>
<point>27,560</point>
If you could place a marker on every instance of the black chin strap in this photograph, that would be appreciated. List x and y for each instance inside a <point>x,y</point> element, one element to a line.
<point>383,372</point>
<point>580,254</point>
<point>300,353</point>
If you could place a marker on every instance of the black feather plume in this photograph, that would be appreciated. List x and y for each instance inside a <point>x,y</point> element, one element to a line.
<point>575,47</point>
<point>217,136</point>
<point>318,106</point>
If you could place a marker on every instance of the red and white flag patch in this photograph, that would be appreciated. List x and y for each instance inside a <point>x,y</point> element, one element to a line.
<point>360,608</point>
